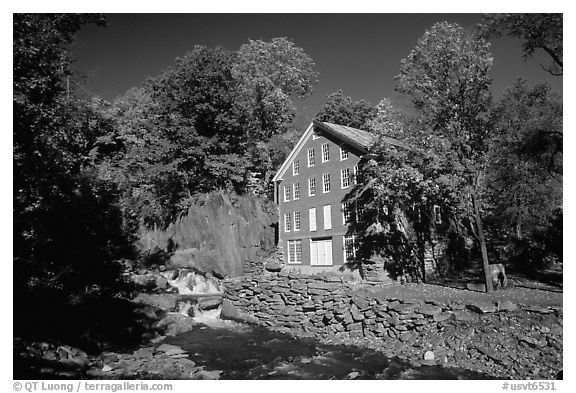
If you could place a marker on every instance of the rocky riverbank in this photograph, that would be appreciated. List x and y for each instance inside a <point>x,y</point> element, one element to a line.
<point>502,339</point>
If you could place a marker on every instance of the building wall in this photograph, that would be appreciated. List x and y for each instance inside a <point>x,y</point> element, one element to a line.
<point>334,198</point>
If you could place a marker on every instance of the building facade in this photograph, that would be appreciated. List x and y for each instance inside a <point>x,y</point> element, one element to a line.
<point>310,190</point>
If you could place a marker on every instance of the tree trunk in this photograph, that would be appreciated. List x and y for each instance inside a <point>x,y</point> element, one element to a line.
<point>484,251</point>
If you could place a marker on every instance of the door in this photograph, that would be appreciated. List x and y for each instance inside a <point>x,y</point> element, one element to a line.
<point>321,252</point>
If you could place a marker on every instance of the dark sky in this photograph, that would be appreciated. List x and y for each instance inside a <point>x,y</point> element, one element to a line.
<point>358,53</point>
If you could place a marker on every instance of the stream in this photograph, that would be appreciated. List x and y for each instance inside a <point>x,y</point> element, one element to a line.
<point>244,351</point>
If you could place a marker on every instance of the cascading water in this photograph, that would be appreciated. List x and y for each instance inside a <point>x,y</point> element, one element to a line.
<point>192,283</point>
<point>200,295</point>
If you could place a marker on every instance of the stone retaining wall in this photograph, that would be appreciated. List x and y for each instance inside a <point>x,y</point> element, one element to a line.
<point>324,305</point>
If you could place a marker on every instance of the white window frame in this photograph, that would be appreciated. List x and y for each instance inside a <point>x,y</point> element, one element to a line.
<point>295,167</point>
<point>312,219</point>
<point>346,213</point>
<point>311,158</point>
<point>287,222</point>
<point>296,247</point>
<point>346,239</point>
<point>327,213</point>
<point>325,152</point>
<point>296,191</point>
<point>326,183</point>
<point>343,153</point>
<point>345,180</point>
<point>311,186</point>
<point>315,136</point>
<point>297,221</point>
<point>287,192</point>
<point>355,173</point>
<point>437,215</point>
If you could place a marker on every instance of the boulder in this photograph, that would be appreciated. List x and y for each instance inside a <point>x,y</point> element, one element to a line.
<point>209,303</point>
<point>273,266</point>
<point>429,355</point>
<point>174,324</point>
<point>170,350</point>
<point>72,357</point>
<point>164,301</point>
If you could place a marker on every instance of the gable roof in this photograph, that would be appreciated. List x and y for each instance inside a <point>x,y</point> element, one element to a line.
<point>360,139</point>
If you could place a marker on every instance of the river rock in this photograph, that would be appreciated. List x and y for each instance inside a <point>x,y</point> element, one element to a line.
<point>429,355</point>
<point>170,350</point>
<point>72,356</point>
<point>209,303</point>
<point>173,324</point>
<point>164,301</point>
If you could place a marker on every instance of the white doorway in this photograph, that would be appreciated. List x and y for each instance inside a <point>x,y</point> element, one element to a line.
<point>321,252</point>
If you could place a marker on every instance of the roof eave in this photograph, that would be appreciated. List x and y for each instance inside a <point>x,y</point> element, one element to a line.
<point>364,149</point>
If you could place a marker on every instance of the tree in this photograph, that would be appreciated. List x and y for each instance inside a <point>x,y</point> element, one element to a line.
<point>537,31</point>
<point>210,122</point>
<point>340,109</point>
<point>525,189</point>
<point>270,75</point>
<point>447,77</point>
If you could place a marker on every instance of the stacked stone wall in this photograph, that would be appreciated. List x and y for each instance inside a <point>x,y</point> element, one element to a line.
<point>324,305</point>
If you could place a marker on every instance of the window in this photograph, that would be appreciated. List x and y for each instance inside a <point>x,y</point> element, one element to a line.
<point>287,223</point>
<point>296,167</point>
<point>312,186</point>
<point>346,213</point>
<point>294,251</point>
<point>287,193</point>
<point>327,217</point>
<point>296,221</point>
<point>312,218</point>
<point>350,248</point>
<point>359,213</point>
<point>325,152</point>
<point>437,215</point>
<point>385,210</point>
<point>310,157</point>
<point>296,191</point>
<point>345,178</point>
<point>343,153</point>
<point>326,182</point>
<point>355,174</point>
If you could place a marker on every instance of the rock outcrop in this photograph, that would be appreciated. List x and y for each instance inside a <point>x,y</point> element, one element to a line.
<point>218,236</point>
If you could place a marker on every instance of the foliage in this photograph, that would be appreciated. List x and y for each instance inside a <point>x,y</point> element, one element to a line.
<point>340,109</point>
<point>537,31</point>
<point>210,122</point>
<point>68,228</point>
<point>441,157</point>
<point>539,250</point>
<point>269,75</point>
<point>524,188</point>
